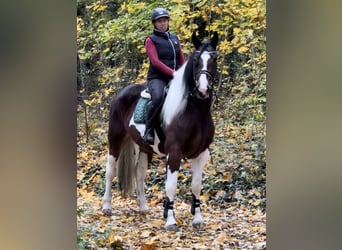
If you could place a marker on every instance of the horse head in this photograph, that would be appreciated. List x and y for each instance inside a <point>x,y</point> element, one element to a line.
<point>204,66</point>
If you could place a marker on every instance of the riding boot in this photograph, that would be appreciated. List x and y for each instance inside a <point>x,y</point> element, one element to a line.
<point>149,132</point>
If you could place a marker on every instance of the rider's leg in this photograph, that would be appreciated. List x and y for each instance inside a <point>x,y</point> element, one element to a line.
<point>156,89</point>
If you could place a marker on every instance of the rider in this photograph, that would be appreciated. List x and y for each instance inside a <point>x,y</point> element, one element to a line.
<point>165,54</point>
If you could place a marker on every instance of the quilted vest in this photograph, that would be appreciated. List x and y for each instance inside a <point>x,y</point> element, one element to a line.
<point>167,46</point>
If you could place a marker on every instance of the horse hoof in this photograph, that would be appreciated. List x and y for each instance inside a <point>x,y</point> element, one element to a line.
<point>145,211</point>
<point>172,227</point>
<point>107,212</point>
<point>196,227</point>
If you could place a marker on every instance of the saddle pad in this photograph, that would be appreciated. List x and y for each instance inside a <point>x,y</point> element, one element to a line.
<point>140,110</point>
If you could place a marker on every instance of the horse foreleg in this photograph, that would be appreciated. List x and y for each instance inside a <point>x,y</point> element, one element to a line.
<point>171,187</point>
<point>141,174</point>
<point>110,173</point>
<point>197,170</point>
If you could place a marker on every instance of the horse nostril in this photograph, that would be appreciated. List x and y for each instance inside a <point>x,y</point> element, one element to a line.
<point>202,94</point>
<point>203,91</point>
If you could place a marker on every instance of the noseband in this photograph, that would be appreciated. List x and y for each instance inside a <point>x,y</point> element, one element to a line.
<point>204,72</point>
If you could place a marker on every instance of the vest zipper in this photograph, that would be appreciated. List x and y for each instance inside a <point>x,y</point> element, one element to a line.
<point>174,51</point>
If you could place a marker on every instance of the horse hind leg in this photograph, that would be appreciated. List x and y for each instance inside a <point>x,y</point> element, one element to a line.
<point>116,137</point>
<point>197,170</point>
<point>111,168</point>
<point>141,168</point>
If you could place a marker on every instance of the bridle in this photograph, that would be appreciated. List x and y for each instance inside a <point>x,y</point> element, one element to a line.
<point>196,76</point>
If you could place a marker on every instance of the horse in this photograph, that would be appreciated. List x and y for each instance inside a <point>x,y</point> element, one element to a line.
<point>187,131</point>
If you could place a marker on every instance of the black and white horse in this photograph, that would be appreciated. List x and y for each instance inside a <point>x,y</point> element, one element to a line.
<point>187,127</point>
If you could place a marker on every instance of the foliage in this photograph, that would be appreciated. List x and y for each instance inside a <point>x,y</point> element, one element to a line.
<point>110,55</point>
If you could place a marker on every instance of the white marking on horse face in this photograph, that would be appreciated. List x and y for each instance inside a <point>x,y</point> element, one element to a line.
<point>203,81</point>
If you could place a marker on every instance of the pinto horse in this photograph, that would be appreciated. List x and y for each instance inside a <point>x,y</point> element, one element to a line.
<point>187,127</point>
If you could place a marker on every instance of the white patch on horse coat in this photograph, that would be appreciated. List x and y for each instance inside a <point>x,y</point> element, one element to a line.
<point>141,129</point>
<point>171,183</point>
<point>170,220</point>
<point>141,174</point>
<point>139,126</point>
<point>197,217</point>
<point>110,173</point>
<point>197,166</point>
<point>203,81</point>
<point>171,187</point>
<point>175,101</point>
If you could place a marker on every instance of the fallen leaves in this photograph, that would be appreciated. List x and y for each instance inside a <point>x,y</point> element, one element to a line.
<point>236,227</point>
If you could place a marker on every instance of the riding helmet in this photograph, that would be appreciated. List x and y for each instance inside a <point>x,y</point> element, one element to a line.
<point>159,13</point>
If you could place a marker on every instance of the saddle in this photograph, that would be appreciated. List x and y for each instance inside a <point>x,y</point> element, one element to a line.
<point>140,112</point>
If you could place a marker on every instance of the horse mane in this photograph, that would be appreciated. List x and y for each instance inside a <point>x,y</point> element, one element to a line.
<point>177,96</point>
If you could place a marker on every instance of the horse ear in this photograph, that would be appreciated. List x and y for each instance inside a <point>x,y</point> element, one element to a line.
<point>195,40</point>
<point>214,40</point>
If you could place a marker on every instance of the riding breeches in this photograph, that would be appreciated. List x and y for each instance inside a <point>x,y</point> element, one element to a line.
<point>156,89</point>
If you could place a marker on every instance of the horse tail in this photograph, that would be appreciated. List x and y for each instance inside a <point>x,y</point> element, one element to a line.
<point>126,167</point>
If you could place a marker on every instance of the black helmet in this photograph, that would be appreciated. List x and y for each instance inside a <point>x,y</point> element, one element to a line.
<point>158,13</point>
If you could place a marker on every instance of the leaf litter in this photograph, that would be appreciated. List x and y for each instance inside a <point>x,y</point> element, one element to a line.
<point>235,227</point>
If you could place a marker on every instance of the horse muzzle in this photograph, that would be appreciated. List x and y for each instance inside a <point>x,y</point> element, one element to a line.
<point>201,92</point>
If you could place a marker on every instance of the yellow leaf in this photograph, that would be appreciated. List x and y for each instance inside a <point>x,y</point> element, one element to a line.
<point>87,102</point>
<point>212,172</point>
<point>152,246</point>
<point>179,221</point>
<point>225,177</point>
<point>237,31</point>
<point>158,223</point>
<point>155,188</point>
<point>255,229</point>
<point>205,196</point>
<point>220,239</point>
<point>88,196</point>
<point>84,155</point>
<point>256,203</point>
<point>145,234</point>
<point>243,49</point>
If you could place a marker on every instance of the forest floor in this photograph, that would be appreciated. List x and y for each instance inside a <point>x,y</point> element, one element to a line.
<point>233,227</point>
